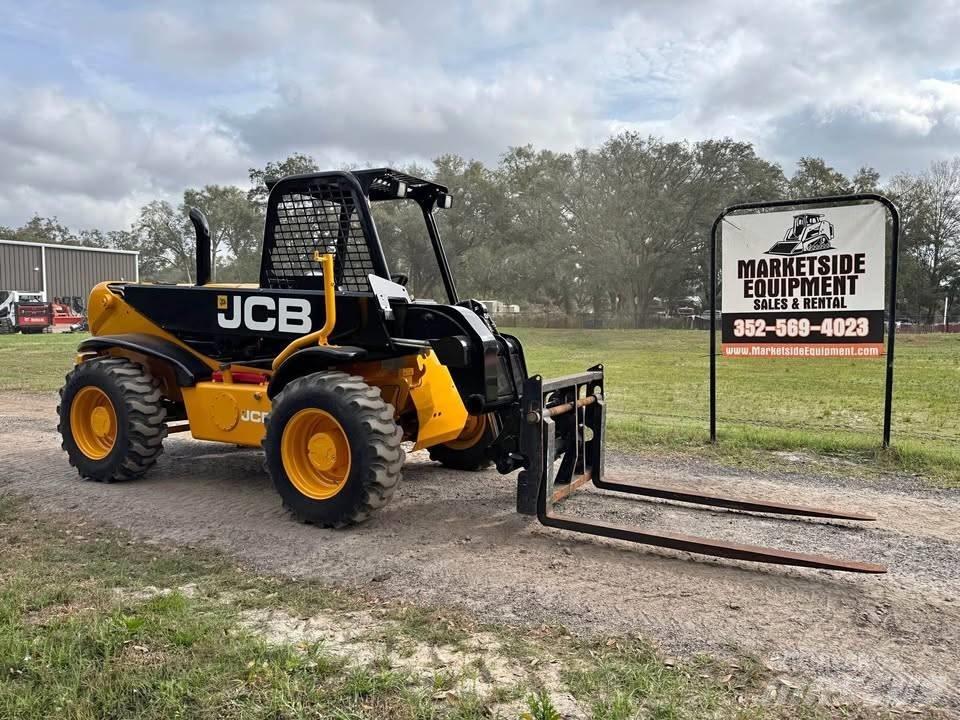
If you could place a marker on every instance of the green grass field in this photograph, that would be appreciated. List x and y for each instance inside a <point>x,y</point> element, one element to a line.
<point>657,386</point>
<point>657,389</point>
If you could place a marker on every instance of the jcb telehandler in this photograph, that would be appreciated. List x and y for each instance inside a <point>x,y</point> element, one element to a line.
<point>330,365</point>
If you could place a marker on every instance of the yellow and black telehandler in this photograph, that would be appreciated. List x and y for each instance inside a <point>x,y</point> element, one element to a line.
<point>330,365</point>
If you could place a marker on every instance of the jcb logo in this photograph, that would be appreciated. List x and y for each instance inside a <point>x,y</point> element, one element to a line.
<point>255,416</point>
<point>261,313</point>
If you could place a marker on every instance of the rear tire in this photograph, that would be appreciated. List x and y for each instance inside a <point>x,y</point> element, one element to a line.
<point>112,419</point>
<point>333,449</point>
<point>469,451</point>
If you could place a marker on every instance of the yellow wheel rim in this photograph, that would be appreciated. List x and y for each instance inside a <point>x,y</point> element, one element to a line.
<point>93,422</point>
<point>473,432</point>
<point>315,454</point>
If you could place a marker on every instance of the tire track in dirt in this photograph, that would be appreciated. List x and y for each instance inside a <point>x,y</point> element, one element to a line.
<point>453,539</point>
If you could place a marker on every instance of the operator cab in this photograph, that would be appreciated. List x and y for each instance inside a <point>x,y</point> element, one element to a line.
<point>801,221</point>
<point>332,212</point>
<point>313,214</point>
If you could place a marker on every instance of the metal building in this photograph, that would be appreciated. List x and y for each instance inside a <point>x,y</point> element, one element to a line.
<point>66,272</point>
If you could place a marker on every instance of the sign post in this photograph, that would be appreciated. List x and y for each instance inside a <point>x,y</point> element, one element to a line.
<point>805,278</point>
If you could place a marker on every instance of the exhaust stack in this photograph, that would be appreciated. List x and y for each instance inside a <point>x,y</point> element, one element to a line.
<point>202,228</point>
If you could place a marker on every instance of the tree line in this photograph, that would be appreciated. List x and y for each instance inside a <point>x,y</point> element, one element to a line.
<point>617,231</point>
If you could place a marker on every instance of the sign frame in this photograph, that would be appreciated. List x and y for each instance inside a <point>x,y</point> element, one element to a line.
<point>829,201</point>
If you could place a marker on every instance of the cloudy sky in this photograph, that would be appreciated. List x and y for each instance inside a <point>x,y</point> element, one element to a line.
<point>108,105</point>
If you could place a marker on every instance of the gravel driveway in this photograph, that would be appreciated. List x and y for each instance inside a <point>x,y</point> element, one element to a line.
<point>452,538</point>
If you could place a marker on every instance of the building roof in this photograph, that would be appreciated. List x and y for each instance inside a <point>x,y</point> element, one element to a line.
<point>62,246</point>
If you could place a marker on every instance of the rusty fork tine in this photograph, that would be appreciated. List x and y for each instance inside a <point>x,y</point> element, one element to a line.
<point>706,546</point>
<point>561,457</point>
<point>731,503</point>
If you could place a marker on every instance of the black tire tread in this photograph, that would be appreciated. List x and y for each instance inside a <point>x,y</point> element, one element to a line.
<point>146,417</point>
<point>472,459</point>
<point>383,442</point>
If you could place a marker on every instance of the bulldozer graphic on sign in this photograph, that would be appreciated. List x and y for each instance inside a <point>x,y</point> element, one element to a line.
<point>810,233</point>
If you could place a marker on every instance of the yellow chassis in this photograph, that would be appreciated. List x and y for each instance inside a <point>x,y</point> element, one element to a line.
<point>425,400</point>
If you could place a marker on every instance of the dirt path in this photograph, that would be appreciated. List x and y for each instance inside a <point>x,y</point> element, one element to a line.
<point>453,538</point>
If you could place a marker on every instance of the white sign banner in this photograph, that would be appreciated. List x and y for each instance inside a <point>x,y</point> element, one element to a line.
<point>804,282</point>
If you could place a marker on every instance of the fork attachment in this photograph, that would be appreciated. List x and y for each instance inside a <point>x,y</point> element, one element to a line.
<point>562,438</point>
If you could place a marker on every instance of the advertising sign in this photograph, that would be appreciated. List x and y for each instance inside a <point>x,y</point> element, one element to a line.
<point>804,283</point>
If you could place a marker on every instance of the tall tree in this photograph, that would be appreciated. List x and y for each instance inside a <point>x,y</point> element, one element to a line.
<point>235,227</point>
<point>939,256</point>
<point>164,234</point>
<point>929,206</point>
<point>814,178</point>
<point>43,230</point>
<point>646,226</point>
<point>293,165</point>
<point>866,180</point>
<point>93,237</point>
<point>533,253</point>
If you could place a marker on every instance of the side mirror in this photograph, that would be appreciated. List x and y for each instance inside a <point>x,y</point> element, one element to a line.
<point>445,201</point>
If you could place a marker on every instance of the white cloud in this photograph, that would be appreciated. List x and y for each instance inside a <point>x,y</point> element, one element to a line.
<point>83,162</point>
<point>376,113</point>
<point>148,101</point>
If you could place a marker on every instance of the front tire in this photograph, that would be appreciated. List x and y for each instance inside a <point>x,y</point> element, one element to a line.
<point>333,449</point>
<point>112,419</point>
<point>469,451</point>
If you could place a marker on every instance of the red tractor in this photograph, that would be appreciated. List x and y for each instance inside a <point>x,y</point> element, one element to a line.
<point>63,315</point>
<point>24,312</point>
